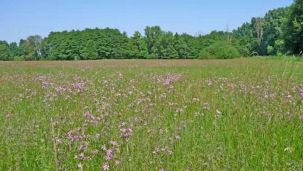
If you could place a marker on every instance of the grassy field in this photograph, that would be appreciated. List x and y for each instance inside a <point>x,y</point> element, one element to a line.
<point>241,114</point>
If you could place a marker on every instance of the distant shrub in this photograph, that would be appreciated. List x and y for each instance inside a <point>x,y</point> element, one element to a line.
<point>219,50</point>
<point>204,54</point>
<point>18,58</point>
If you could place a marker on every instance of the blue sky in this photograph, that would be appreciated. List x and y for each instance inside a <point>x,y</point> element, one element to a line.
<point>21,18</point>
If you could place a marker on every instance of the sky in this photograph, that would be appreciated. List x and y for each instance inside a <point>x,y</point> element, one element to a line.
<point>22,18</point>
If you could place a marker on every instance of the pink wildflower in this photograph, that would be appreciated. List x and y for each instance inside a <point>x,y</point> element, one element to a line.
<point>45,84</point>
<point>91,118</point>
<point>60,89</point>
<point>78,86</point>
<point>126,133</point>
<point>171,78</point>
<point>105,166</point>
<point>73,137</point>
<point>114,143</point>
<point>109,154</point>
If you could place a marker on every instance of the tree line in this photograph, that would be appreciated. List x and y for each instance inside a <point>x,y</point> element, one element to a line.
<point>279,32</point>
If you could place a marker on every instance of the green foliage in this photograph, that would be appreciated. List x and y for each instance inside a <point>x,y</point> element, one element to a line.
<point>273,31</point>
<point>219,50</point>
<point>263,36</point>
<point>247,40</point>
<point>153,35</point>
<point>89,51</point>
<point>138,47</point>
<point>15,51</point>
<point>279,32</point>
<point>31,47</point>
<point>166,47</point>
<point>181,46</point>
<point>293,32</point>
<point>4,51</point>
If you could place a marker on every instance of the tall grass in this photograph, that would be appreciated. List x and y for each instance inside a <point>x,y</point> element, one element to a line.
<point>242,114</point>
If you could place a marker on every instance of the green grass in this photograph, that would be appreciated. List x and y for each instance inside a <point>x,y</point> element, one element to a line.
<point>241,114</point>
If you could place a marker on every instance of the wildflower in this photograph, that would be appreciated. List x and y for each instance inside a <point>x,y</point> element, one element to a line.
<point>41,77</point>
<point>122,124</point>
<point>81,156</point>
<point>209,82</point>
<point>218,113</point>
<point>206,106</point>
<point>117,162</point>
<point>88,115</point>
<point>91,118</point>
<point>109,154</point>
<point>114,143</point>
<point>78,86</point>
<point>103,147</point>
<point>80,166</point>
<point>126,133</point>
<point>156,150</point>
<point>301,94</point>
<point>105,166</point>
<point>195,100</point>
<point>60,89</point>
<point>288,149</point>
<point>58,140</point>
<point>171,78</point>
<point>45,84</point>
<point>72,136</point>
<point>95,152</point>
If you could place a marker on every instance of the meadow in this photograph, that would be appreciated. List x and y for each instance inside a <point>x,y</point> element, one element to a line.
<point>161,115</point>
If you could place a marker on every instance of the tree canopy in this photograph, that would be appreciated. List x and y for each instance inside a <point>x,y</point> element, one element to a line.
<point>293,32</point>
<point>279,32</point>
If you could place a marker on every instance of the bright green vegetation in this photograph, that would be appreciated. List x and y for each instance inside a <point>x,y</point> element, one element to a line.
<point>240,114</point>
<point>279,32</point>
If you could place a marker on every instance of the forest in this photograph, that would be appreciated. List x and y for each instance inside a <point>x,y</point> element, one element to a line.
<point>279,32</point>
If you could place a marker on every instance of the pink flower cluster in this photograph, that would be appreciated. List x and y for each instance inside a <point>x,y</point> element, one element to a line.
<point>301,94</point>
<point>61,89</point>
<point>105,166</point>
<point>171,78</point>
<point>126,133</point>
<point>73,136</point>
<point>79,86</point>
<point>91,118</point>
<point>109,154</point>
